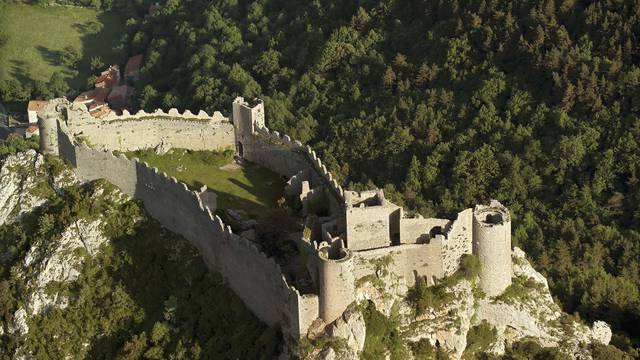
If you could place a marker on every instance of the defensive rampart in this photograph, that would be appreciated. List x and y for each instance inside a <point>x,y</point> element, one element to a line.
<point>276,152</point>
<point>254,277</point>
<point>172,129</point>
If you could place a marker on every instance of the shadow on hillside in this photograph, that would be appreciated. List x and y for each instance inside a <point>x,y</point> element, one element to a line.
<point>19,71</point>
<point>52,57</point>
<point>167,280</point>
<point>100,38</point>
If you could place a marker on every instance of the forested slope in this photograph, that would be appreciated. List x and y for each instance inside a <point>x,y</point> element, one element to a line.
<point>445,104</point>
<point>85,273</point>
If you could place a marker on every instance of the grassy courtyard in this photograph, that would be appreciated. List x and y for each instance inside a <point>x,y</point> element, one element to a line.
<point>34,37</point>
<point>249,187</point>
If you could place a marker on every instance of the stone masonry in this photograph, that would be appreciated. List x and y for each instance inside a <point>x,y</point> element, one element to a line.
<point>351,236</point>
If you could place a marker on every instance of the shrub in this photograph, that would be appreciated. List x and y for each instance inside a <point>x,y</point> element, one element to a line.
<point>383,336</point>
<point>469,266</point>
<point>423,350</point>
<point>479,338</point>
<point>423,297</point>
<point>15,144</point>
<point>530,349</point>
<point>521,289</point>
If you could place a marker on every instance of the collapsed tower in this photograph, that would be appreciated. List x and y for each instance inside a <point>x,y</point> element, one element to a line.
<point>492,246</point>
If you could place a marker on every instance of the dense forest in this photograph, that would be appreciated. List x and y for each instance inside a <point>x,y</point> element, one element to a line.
<point>444,104</point>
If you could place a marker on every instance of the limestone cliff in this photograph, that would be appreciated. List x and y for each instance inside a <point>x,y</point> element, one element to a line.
<point>85,273</point>
<point>47,266</point>
<point>524,311</point>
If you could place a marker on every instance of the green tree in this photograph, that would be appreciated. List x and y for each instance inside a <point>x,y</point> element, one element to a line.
<point>412,180</point>
<point>69,56</point>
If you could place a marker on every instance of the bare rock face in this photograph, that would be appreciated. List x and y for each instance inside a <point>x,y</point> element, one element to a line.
<point>163,147</point>
<point>60,262</point>
<point>19,326</point>
<point>529,311</point>
<point>350,327</point>
<point>601,332</point>
<point>19,177</point>
<point>384,293</point>
<point>447,325</point>
<point>521,266</point>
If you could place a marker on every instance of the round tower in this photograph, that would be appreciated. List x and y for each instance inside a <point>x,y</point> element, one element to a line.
<point>492,246</point>
<point>48,127</point>
<point>337,284</point>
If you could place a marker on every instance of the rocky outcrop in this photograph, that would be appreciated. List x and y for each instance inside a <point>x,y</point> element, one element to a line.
<point>26,183</point>
<point>20,176</point>
<point>526,310</point>
<point>350,326</point>
<point>59,263</point>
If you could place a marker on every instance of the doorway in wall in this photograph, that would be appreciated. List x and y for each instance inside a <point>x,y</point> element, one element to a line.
<point>239,149</point>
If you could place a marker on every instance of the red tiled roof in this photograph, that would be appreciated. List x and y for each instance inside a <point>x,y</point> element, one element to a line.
<point>133,65</point>
<point>97,94</point>
<point>95,105</point>
<point>108,78</point>
<point>100,112</point>
<point>32,128</point>
<point>36,105</point>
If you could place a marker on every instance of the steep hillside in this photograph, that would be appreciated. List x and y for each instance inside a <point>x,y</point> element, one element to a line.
<point>85,273</point>
<point>445,104</point>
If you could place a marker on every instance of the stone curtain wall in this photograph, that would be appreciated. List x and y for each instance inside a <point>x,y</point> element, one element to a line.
<point>147,130</point>
<point>288,157</point>
<point>368,227</point>
<point>408,261</point>
<point>254,277</point>
<point>458,241</point>
<point>417,230</point>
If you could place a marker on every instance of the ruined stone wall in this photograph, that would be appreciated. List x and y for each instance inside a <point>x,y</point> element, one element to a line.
<point>276,153</point>
<point>254,277</point>
<point>458,241</point>
<point>289,157</point>
<point>279,153</point>
<point>419,230</point>
<point>143,130</point>
<point>370,227</point>
<point>408,261</point>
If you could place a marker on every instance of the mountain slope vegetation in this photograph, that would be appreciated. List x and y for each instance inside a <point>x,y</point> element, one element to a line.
<point>85,273</point>
<point>444,104</point>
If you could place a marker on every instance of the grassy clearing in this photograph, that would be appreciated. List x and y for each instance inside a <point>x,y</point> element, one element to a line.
<point>35,37</point>
<point>250,188</point>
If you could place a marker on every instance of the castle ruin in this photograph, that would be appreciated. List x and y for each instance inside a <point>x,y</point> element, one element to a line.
<point>346,233</point>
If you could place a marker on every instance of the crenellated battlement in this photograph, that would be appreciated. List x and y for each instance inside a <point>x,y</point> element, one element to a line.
<point>310,155</point>
<point>347,235</point>
<point>247,270</point>
<point>172,115</point>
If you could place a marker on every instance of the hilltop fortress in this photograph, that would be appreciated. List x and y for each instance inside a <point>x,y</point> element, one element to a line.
<point>346,234</point>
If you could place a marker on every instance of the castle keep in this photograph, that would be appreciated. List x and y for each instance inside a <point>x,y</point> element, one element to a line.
<point>346,234</point>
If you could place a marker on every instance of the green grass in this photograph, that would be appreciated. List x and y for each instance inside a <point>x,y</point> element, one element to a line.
<point>250,188</point>
<point>36,35</point>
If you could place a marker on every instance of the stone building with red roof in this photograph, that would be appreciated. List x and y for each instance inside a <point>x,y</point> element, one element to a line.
<point>109,78</point>
<point>32,109</point>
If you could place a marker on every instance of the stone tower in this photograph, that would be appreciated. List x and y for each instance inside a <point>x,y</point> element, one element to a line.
<point>337,283</point>
<point>48,127</point>
<point>492,245</point>
<point>246,119</point>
